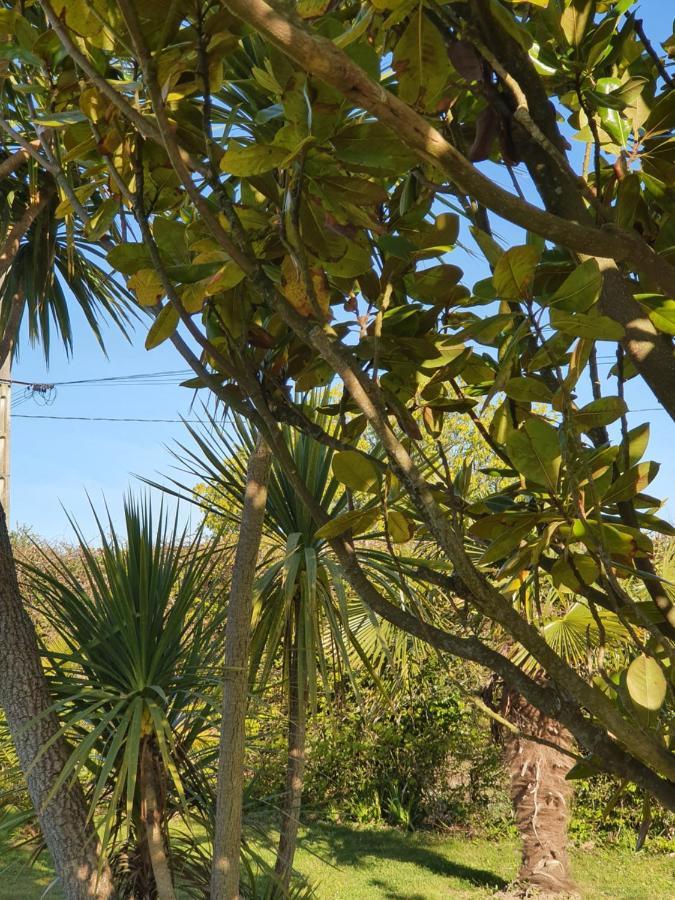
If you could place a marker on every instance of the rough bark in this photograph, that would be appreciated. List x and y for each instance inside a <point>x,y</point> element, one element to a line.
<point>540,795</point>
<point>295,764</point>
<point>230,786</point>
<point>24,696</point>
<point>152,813</point>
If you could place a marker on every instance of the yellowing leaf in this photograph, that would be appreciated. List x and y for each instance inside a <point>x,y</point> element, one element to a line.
<point>356,471</point>
<point>162,328</point>
<point>192,297</point>
<point>294,290</point>
<point>514,272</point>
<point>357,521</point>
<point>225,278</point>
<point>400,529</point>
<point>147,286</point>
<point>646,683</point>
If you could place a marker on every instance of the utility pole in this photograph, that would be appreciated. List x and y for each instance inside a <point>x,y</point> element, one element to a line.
<point>5,424</point>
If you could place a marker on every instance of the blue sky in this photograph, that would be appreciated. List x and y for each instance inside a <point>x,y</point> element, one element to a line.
<point>56,462</point>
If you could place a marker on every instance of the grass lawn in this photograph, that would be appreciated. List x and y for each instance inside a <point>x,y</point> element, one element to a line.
<point>384,864</point>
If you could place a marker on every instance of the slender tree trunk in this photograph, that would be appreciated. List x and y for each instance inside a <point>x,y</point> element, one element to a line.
<point>24,696</point>
<point>152,814</point>
<point>295,765</point>
<point>540,795</point>
<point>230,786</point>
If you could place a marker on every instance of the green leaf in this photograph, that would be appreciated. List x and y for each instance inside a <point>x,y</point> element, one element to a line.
<point>575,19</point>
<point>580,290</point>
<point>585,325</point>
<point>527,390</point>
<point>632,482</point>
<point>434,284</point>
<point>373,146</point>
<point>162,328</point>
<point>534,450</point>
<point>646,683</point>
<point>129,258</point>
<point>514,272</point>
<point>600,412</point>
<point>253,159</point>
<point>356,471</point>
<point>357,521</point>
<point>574,571</point>
<point>420,61</point>
<point>637,439</point>
<point>663,317</point>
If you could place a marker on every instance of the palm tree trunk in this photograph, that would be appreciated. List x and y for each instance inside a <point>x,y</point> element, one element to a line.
<point>540,795</point>
<point>230,786</point>
<point>152,814</point>
<point>24,696</point>
<point>295,766</point>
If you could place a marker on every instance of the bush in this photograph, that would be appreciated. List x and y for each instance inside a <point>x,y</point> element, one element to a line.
<point>424,758</point>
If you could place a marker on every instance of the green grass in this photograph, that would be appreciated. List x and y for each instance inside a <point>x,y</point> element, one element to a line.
<point>384,864</point>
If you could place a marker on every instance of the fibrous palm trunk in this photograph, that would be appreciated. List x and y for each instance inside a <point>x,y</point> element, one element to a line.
<point>295,765</point>
<point>540,795</point>
<point>24,696</point>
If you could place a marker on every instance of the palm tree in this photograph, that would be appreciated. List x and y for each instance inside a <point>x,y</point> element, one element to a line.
<point>134,673</point>
<point>39,262</point>
<point>301,595</point>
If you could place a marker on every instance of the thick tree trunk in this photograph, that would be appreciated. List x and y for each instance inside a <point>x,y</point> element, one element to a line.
<point>230,788</point>
<point>295,765</point>
<point>24,696</point>
<point>152,814</point>
<point>540,795</point>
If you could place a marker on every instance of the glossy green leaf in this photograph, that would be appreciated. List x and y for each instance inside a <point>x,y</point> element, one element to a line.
<point>646,683</point>
<point>356,471</point>
<point>534,450</point>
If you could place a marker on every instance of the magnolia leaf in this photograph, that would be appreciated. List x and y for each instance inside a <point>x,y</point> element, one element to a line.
<point>514,272</point>
<point>373,146</point>
<point>162,328</point>
<point>147,285</point>
<point>534,450</point>
<point>357,521</point>
<point>229,276</point>
<point>129,258</point>
<point>637,439</point>
<point>574,571</point>
<point>435,284</point>
<point>400,529</point>
<point>664,317</point>
<point>646,683</point>
<point>294,289</point>
<point>192,297</point>
<point>600,412</point>
<point>575,19</point>
<point>356,471</point>
<point>632,482</point>
<point>420,61</point>
<point>253,159</point>
<point>528,390</point>
<point>583,325</point>
<point>580,290</point>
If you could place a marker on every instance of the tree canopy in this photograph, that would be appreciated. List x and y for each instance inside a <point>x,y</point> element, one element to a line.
<point>283,187</point>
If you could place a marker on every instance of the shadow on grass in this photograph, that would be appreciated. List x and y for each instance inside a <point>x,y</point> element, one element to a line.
<point>348,848</point>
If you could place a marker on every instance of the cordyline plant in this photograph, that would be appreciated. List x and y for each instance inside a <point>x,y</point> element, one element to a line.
<point>291,178</point>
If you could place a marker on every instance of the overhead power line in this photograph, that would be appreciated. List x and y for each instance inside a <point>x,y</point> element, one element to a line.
<point>106,419</point>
